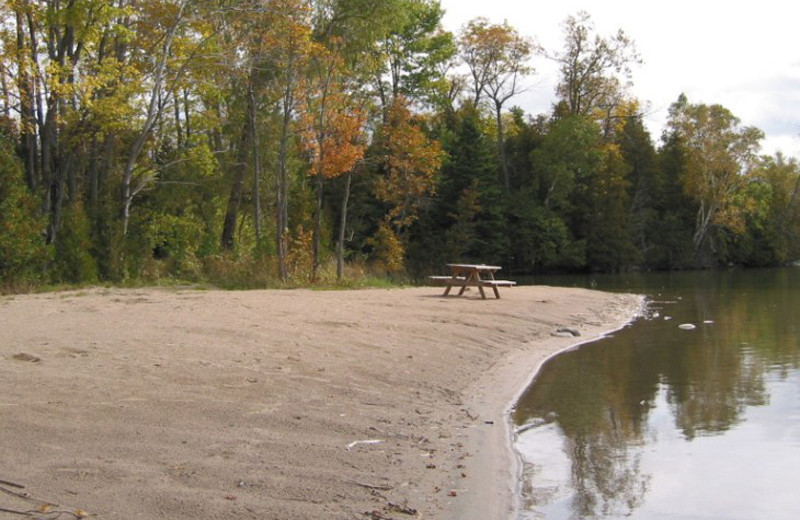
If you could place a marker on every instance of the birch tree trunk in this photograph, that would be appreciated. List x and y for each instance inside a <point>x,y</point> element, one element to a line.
<point>342,228</point>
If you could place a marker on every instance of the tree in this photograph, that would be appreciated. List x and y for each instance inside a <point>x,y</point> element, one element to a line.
<point>470,194</point>
<point>565,166</point>
<point>133,183</point>
<point>22,249</point>
<point>609,246</point>
<point>414,54</point>
<point>408,160</point>
<point>668,239</point>
<point>773,221</point>
<point>719,152</point>
<point>288,44</point>
<point>594,69</point>
<point>497,58</point>
<point>332,126</point>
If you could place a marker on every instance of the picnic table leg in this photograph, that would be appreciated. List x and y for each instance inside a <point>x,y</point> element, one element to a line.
<point>496,292</point>
<point>480,288</point>
<point>464,287</point>
<point>447,290</point>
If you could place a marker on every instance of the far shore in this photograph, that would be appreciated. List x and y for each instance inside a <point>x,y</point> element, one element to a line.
<point>294,404</point>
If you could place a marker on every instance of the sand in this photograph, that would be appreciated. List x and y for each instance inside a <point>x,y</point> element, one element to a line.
<point>185,404</point>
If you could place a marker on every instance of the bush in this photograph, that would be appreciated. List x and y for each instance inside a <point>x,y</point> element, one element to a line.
<point>74,262</point>
<point>388,251</point>
<point>23,253</point>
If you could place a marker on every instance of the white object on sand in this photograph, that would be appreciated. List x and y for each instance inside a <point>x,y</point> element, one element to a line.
<point>369,441</point>
<point>687,326</point>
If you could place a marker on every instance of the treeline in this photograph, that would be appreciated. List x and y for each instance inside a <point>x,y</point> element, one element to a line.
<point>252,141</point>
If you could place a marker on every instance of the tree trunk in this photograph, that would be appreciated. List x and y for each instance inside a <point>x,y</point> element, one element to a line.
<point>282,190</point>
<point>251,106</point>
<point>701,234</point>
<point>178,129</point>
<point>187,121</point>
<point>228,239</point>
<point>154,109</point>
<point>501,148</point>
<point>318,227</point>
<point>25,85</point>
<point>342,228</point>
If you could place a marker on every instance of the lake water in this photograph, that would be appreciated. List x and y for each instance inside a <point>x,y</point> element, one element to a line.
<point>657,422</point>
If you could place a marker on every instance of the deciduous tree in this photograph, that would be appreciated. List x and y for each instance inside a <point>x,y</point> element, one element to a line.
<point>332,124</point>
<point>497,58</point>
<point>719,152</point>
<point>409,161</point>
<point>594,69</point>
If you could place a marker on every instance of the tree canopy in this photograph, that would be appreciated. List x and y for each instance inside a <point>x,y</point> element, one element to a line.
<point>249,142</point>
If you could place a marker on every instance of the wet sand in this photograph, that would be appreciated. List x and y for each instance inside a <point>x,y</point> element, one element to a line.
<point>183,404</point>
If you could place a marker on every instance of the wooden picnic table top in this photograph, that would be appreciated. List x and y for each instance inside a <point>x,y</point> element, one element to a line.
<point>475,267</point>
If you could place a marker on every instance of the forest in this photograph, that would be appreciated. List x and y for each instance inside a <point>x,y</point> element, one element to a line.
<point>254,143</point>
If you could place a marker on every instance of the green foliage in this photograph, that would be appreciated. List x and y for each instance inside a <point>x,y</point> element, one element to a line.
<point>168,147</point>
<point>23,254</point>
<point>541,239</point>
<point>609,246</point>
<point>667,241</point>
<point>718,153</point>
<point>472,194</point>
<point>770,204</point>
<point>74,262</point>
<point>568,153</point>
<point>230,271</point>
<point>414,53</point>
<point>162,245</point>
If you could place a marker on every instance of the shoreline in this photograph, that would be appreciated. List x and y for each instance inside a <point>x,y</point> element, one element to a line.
<point>505,452</point>
<point>519,465</point>
<point>376,403</point>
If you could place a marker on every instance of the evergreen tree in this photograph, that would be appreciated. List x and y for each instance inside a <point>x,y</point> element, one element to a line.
<point>669,238</point>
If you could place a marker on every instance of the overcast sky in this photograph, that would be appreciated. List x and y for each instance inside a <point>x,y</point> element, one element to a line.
<point>742,55</point>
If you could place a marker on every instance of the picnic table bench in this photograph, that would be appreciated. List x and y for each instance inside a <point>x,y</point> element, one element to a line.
<point>472,275</point>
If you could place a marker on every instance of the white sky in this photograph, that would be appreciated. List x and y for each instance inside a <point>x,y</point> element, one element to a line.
<point>742,55</point>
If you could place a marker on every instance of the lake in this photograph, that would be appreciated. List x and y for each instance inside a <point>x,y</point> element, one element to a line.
<point>658,422</point>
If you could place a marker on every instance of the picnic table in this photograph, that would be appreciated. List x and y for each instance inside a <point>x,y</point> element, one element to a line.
<point>472,275</point>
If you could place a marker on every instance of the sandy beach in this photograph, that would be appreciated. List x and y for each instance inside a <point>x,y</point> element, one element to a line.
<point>184,404</point>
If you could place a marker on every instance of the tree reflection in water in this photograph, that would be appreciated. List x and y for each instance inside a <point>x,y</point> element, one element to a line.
<point>606,476</point>
<point>609,400</point>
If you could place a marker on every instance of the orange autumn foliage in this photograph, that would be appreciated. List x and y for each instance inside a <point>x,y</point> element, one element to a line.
<point>410,161</point>
<point>332,138</point>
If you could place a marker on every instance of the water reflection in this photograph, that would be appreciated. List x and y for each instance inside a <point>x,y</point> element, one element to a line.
<point>628,413</point>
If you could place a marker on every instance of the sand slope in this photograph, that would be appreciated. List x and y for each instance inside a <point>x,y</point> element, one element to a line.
<point>170,404</point>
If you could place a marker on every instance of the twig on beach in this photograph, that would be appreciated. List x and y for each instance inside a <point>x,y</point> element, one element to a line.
<point>469,414</point>
<point>23,495</point>
<point>44,509</point>
<point>397,508</point>
<point>371,486</point>
<point>45,512</point>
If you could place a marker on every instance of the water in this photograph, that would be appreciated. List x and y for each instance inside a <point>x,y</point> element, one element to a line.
<point>657,422</point>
